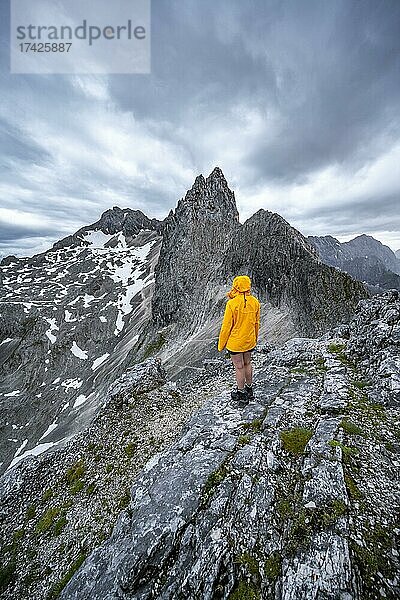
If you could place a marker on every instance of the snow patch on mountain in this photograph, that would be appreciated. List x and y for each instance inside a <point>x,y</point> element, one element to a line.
<point>98,361</point>
<point>78,352</point>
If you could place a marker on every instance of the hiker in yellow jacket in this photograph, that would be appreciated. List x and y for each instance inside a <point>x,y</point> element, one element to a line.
<point>239,333</point>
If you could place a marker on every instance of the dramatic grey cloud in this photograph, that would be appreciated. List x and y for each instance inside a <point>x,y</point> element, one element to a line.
<point>297,102</point>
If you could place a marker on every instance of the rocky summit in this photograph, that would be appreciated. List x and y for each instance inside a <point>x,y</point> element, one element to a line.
<point>128,471</point>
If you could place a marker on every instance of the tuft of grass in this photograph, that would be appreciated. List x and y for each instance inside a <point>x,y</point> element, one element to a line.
<point>60,524</point>
<point>47,495</point>
<point>351,486</point>
<point>58,587</point>
<point>47,520</point>
<point>155,346</point>
<point>91,488</point>
<point>336,348</point>
<point>76,487</point>
<point>130,449</point>
<point>307,521</point>
<point>360,383</point>
<point>284,508</point>
<point>255,425</point>
<point>295,440</point>
<point>321,363</point>
<point>244,591</point>
<point>372,557</point>
<point>347,450</point>
<point>351,428</point>
<point>243,440</point>
<point>273,566</point>
<point>75,472</point>
<point>124,499</point>
<point>18,534</point>
<point>30,512</point>
<point>249,562</point>
<point>7,574</point>
<point>213,481</point>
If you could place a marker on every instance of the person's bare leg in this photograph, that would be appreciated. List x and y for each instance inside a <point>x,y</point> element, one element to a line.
<point>248,368</point>
<point>238,363</point>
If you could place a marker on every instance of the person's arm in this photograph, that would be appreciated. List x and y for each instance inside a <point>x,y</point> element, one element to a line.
<point>226,328</point>
<point>257,323</point>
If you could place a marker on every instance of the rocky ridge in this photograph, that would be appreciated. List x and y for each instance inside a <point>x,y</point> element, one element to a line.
<point>57,507</point>
<point>293,496</point>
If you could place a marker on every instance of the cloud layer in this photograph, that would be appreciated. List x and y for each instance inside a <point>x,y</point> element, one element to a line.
<point>297,102</point>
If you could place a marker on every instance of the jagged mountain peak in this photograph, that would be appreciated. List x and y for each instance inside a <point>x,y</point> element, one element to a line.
<point>367,243</point>
<point>210,196</point>
<point>215,180</point>
<point>364,239</point>
<point>217,175</point>
<point>267,215</point>
<point>365,236</point>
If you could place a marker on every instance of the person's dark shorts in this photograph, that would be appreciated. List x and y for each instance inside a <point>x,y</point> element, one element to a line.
<point>231,353</point>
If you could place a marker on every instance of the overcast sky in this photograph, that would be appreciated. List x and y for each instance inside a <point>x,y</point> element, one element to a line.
<point>297,102</point>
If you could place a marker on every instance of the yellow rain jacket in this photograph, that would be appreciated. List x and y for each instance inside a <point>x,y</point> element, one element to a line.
<point>239,330</point>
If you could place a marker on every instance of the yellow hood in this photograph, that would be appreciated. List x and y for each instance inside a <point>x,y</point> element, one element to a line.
<point>241,284</point>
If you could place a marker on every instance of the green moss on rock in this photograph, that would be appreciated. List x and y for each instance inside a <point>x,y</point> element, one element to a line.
<point>7,574</point>
<point>347,450</point>
<point>243,440</point>
<point>351,428</point>
<point>47,495</point>
<point>351,486</point>
<point>213,481</point>
<point>155,346</point>
<point>30,512</point>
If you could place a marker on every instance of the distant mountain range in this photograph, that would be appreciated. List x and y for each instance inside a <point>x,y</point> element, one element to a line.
<point>364,258</point>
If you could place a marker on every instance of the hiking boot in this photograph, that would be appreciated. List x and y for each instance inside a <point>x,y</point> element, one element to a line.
<point>249,391</point>
<point>239,396</point>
